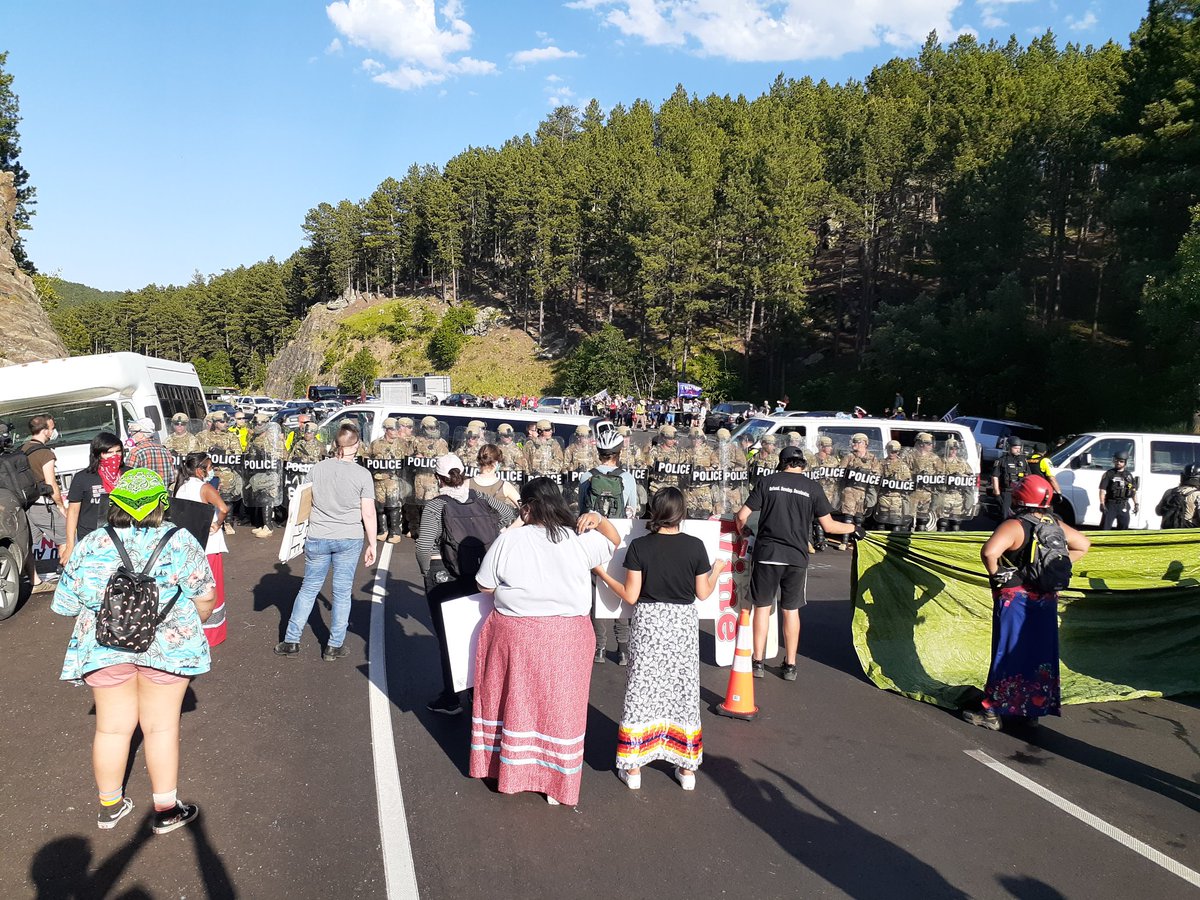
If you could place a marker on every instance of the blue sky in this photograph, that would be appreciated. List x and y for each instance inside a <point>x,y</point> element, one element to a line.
<point>166,138</point>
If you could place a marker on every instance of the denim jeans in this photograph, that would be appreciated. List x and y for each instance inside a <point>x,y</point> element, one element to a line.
<point>319,554</point>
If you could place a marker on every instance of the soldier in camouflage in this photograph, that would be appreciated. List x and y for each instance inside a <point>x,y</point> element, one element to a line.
<point>766,460</point>
<point>955,504</point>
<point>893,508</point>
<point>667,462</point>
<point>307,448</point>
<point>543,455</point>
<point>698,493</point>
<point>926,467</point>
<point>389,522</point>
<point>581,455</point>
<point>857,496</point>
<point>511,455</point>
<point>219,440</point>
<point>633,458</point>
<point>730,458</point>
<point>826,471</point>
<point>180,441</point>
<point>472,441</point>
<point>796,439</point>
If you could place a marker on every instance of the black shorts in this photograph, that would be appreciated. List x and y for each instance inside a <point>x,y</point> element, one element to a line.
<point>791,582</point>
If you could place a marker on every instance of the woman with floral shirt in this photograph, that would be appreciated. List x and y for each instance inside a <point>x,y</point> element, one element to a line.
<point>138,688</point>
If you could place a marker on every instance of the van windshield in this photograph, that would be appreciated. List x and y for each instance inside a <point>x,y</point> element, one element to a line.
<point>1060,457</point>
<point>754,429</point>
<point>77,423</point>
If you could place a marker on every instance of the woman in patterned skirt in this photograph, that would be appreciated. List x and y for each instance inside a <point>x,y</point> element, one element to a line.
<point>666,572</point>
<point>533,665</point>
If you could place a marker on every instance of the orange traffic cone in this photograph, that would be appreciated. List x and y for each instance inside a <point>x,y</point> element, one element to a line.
<point>739,697</point>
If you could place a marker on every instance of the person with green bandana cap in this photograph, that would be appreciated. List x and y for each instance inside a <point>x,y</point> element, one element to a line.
<point>138,688</point>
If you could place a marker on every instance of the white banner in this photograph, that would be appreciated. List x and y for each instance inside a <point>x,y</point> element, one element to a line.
<point>609,606</point>
<point>296,530</point>
<point>463,619</point>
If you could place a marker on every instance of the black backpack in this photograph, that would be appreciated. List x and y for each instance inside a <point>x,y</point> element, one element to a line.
<point>1175,508</point>
<point>468,529</point>
<point>1049,566</point>
<point>129,614</point>
<point>605,494</point>
<point>17,476</point>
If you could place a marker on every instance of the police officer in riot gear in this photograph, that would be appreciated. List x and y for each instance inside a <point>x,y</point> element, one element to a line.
<point>1118,488</point>
<point>1007,474</point>
<point>180,441</point>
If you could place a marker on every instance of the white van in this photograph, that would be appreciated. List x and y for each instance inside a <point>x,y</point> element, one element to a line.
<point>1156,461</point>
<point>369,419</point>
<point>878,432</point>
<point>90,394</point>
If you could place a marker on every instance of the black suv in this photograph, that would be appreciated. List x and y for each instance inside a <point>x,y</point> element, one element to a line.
<point>727,415</point>
<point>461,400</point>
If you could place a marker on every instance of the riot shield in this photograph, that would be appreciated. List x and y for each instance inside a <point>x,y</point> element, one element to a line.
<point>925,462</point>
<point>633,460</point>
<point>668,464</point>
<point>225,451</point>
<point>827,471</point>
<point>893,509</point>
<point>957,499</point>
<point>386,460</point>
<point>427,445</point>
<point>466,443</point>
<point>858,491</point>
<point>544,458</point>
<point>729,495</point>
<point>262,463</point>
<point>702,489</point>
<point>765,460</point>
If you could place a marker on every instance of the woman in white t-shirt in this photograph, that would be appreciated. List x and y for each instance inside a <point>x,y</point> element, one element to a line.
<point>533,665</point>
<point>195,472</point>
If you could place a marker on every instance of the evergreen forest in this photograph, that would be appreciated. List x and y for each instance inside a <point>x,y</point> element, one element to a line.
<point>1011,228</point>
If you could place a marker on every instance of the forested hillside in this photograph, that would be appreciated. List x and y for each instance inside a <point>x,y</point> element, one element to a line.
<point>994,226</point>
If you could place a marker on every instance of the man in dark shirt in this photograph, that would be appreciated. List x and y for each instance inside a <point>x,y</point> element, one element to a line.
<point>48,516</point>
<point>1117,488</point>
<point>1007,473</point>
<point>787,502</point>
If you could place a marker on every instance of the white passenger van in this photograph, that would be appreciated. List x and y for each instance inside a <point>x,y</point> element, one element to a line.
<point>369,419</point>
<point>90,394</point>
<point>878,432</point>
<point>1156,461</point>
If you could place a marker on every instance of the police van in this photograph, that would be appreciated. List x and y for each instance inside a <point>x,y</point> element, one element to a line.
<point>89,394</point>
<point>1155,460</point>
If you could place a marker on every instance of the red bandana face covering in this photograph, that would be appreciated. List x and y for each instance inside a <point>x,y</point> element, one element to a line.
<point>110,470</point>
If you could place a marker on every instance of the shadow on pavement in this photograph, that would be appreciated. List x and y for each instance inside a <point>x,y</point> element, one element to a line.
<point>846,855</point>
<point>278,589</point>
<point>60,869</point>
<point>1024,888</point>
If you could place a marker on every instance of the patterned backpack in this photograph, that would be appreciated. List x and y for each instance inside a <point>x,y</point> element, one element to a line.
<point>129,614</point>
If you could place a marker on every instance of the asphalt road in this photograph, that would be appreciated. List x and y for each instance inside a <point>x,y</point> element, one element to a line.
<point>838,789</point>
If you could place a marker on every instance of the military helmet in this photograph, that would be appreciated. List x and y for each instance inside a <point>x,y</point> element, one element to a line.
<point>404,422</point>
<point>429,422</point>
<point>1190,471</point>
<point>544,425</point>
<point>858,436</point>
<point>924,437</point>
<point>952,444</point>
<point>310,426</point>
<point>217,415</point>
<point>179,419</point>
<point>695,431</point>
<point>390,422</point>
<point>476,425</point>
<point>667,431</point>
<point>723,434</point>
<point>795,439</point>
<point>504,429</point>
<point>582,430</point>
<point>262,418</point>
<point>825,441</point>
<point>892,446</point>
<point>768,439</point>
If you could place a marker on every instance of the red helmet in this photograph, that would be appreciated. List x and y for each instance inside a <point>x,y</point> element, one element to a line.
<point>1033,490</point>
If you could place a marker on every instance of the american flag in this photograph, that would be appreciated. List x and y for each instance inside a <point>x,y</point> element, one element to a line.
<point>952,414</point>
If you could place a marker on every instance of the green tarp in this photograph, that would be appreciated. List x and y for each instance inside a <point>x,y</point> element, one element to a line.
<point>1129,626</point>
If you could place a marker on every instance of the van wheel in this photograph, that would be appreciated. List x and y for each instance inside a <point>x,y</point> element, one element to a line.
<point>10,581</point>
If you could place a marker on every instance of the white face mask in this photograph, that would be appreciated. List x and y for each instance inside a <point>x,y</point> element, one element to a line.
<point>54,435</point>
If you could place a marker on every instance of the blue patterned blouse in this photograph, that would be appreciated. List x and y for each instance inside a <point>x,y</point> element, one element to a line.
<point>179,644</point>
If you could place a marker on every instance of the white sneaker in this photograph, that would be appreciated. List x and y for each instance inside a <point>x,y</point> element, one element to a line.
<point>633,780</point>
<point>687,780</point>
<point>550,800</point>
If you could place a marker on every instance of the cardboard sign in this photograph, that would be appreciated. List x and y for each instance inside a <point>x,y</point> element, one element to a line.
<point>609,606</point>
<point>463,619</point>
<point>296,529</point>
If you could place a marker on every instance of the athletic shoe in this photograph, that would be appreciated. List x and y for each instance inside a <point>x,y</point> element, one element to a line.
<point>984,718</point>
<point>445,704</point>
<point>263,532</point>
<point>687,780</point>
<point>288,648</point>
<point>333,653</point>
<point>170,819</point>
<point>623,658</point>
<point>109,816</point>
<point>633,780</point>
<point>599,655</point>
<point>229,528</point>
<point>552,801</point>
<point>394,539</point>
<point>759,668</point>
<point>788,672</point>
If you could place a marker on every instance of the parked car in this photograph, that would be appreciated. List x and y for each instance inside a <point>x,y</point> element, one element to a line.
<point>992,436</point>
<point>423,400</point>
<point>462,399</point>
<point>228,408</point>
<point>287,417</point>
<point>14,549</point>
<point>324,408</point>
<point>551,404</point>
<point>729,414</point>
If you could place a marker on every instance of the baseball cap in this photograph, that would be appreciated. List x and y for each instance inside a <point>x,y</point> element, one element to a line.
<point>141,426</point>
<point>449,461</point>
<point>788,454</point>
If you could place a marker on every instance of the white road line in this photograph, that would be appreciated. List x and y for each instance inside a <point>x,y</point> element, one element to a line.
<point>1121,837</point>
<point>399,872</point>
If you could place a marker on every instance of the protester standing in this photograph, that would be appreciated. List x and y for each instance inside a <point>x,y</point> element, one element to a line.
<point>665,572</point>
<point>148,452</point>
<point>138,689</point>
<point>533,665</point>
<point>787,502</point>
<point>488,482</point>
<point>195,483</point>
<point>88,495</point>
<point>48,515</point>
<point>342,517</point>
<point>1023,680</point>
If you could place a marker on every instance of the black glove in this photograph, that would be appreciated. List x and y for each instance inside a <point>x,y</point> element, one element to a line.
<point>859,532</point>
<point>1003,578</point>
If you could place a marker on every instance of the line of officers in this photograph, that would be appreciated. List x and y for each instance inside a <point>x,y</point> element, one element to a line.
<point>924,487</point>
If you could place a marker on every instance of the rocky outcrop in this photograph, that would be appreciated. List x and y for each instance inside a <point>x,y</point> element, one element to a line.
<point>26,334</point>
<point>303,354</point>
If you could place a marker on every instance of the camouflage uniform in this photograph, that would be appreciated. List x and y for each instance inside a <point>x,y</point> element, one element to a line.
<point>218,440</point>
<point>667,453</point>
<point>633,460</point>
<point>263,459</point>
<point>543,455</point>
<point>307,448</point>
<point>731,494</point>
<point>429,445</point>
<point>699,494</point>
<point>893,506</point>
<point>766,460</point>
<point>825,471</point>
<point>955,504</point>
<point>181,443</point>
<point>387,483</point>
<point>796,439</point>
<point>857,500</point>
<point>926,466</point>
<point>468,452</point>
<point>511,454</point>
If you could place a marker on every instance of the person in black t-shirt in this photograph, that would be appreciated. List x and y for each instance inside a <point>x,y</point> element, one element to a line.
<point>666,572</point>
<point>787,502</point>
<point>87,499</point>
<point>1117,488</point>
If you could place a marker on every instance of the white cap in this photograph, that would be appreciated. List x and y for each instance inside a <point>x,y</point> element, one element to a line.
<point>143,425</point>
<point>447,462</point>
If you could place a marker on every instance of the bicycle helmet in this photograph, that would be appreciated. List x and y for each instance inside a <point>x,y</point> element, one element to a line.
<point>1033,491</point>
<point>608,438</point>
<point>139,492</point>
